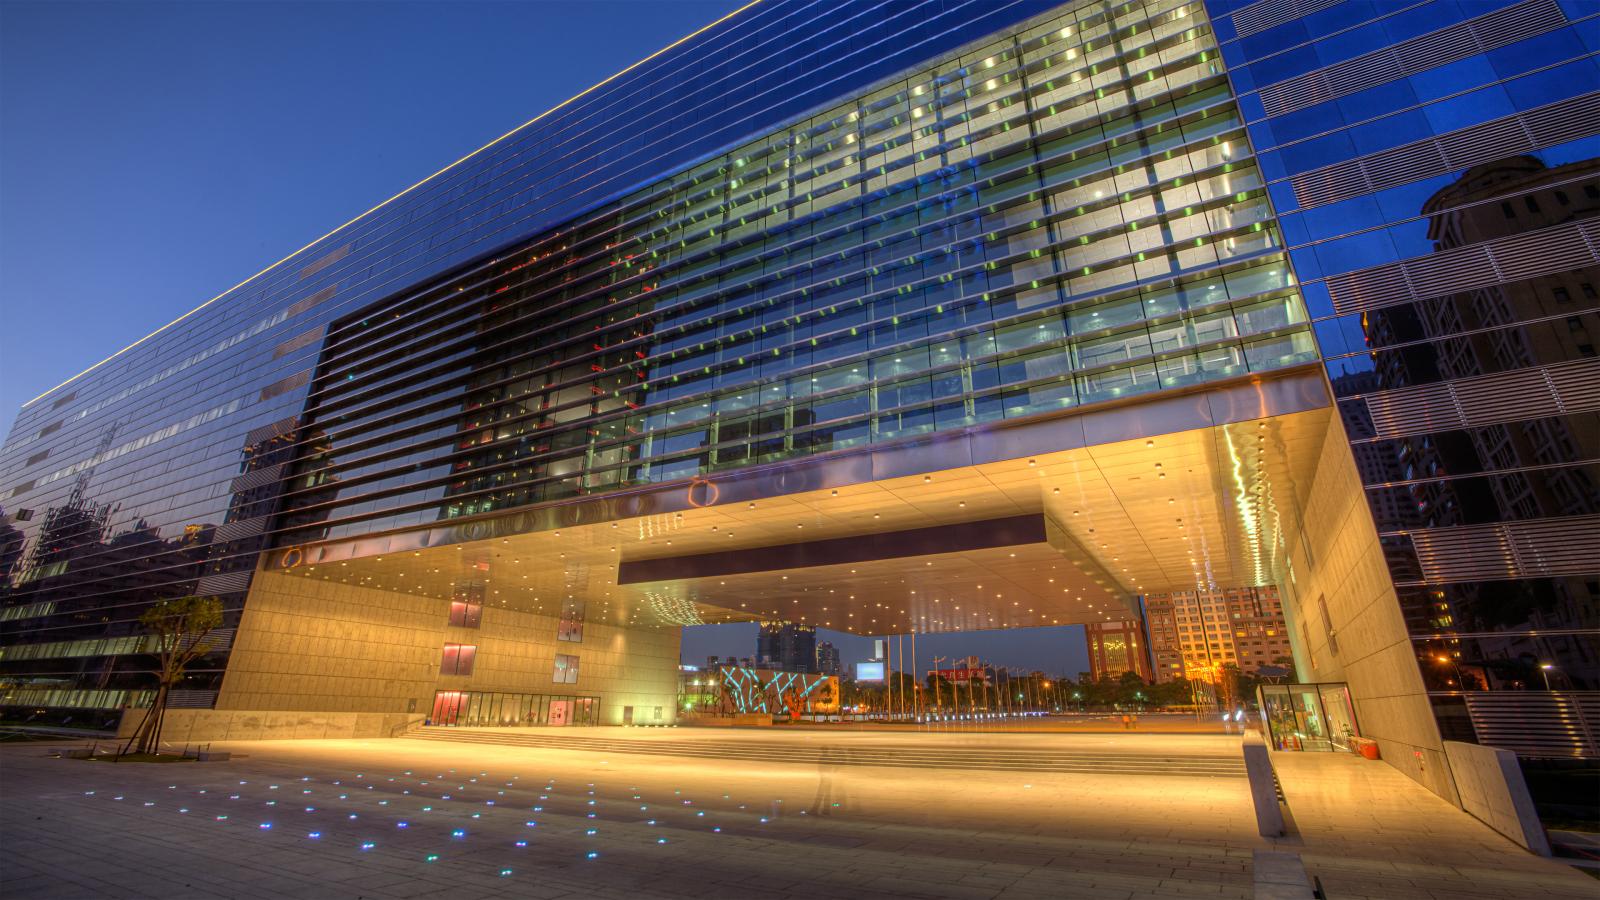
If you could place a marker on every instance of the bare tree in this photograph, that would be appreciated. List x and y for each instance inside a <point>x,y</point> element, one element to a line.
<point>182,628</point>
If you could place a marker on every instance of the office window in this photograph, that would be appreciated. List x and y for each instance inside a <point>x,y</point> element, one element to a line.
<point>571,627</point>
<point>466,614</point>
<point>566,671</point>
<point>458,659</point>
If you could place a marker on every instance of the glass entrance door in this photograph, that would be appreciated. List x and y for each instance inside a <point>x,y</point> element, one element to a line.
<point>1308,716</point>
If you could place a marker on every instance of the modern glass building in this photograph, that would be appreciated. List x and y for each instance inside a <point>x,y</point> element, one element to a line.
<point>835,313</point>
<point>1436,172</point>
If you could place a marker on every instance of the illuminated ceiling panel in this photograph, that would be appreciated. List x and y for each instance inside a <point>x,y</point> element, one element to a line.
<point>1209,506</point>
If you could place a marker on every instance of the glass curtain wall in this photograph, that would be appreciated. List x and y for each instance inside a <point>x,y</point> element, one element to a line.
<point>1436,170</point>
<point>1065,215</point>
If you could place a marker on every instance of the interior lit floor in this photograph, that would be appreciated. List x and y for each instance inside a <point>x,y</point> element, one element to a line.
<point>418,818</point>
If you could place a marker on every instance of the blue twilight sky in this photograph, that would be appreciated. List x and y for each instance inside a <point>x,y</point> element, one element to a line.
<point>153,155</point>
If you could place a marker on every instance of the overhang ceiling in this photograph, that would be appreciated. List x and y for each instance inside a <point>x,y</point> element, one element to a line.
<point>1201,507</point>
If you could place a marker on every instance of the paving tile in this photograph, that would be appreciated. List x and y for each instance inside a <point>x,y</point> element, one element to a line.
<point>903,833</point>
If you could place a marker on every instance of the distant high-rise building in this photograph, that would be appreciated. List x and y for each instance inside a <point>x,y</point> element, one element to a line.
<point>787,646</point>
<point>1193,634</point>
<point>828,659</point>
<point>1115,648</point>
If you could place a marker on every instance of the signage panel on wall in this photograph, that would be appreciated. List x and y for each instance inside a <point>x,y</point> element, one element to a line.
<point>869,671</point>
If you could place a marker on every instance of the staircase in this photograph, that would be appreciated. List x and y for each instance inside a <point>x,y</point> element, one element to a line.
<point>905,755</point>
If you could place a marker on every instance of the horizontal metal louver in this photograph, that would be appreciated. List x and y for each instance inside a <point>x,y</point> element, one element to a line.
<point>1556,546</point>
<point>1535,548</point>
<point>1362,72</point>
<point>1461,149</point>
<point>303,339</point>
<point>1330,184</point>
<point>319,297</point>
<point>1413,411</point>
<point>237,531</point>
<point>249,481</point>
<point>1427,51</point>
<point>192,699</point>
<point>1558,123</point>
<point>1463,554</point>
<point>1486,399</point>
<point>1450,272</point>
<point>1505,396</point>
<point>1573,245</point>
<point>1527,255</point>
<point>225,583</point>
<point>327,260</point>
<point>285,385</point>
<point>1504,27</point>
<point>1545,126</point>
<point>1559,724</point>
<point>1263,14</point>
<point>1576,386</point>
<point>268,432</point>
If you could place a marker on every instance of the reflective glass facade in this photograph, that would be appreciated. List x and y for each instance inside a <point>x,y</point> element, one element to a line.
<point>1436,169</point>
<point>151,473</point>
<point>1065,215</point>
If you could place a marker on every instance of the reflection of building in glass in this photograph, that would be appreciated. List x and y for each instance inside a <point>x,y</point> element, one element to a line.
<point>1442,223</point>
<point>828,662</point>
<point>1535,461</point>
<point>11,544</point>
<point>1482,621</point>
<point>1196,634</point>
<point>1005,219</point>
<point>1115,648</point>
<point>787,646</point>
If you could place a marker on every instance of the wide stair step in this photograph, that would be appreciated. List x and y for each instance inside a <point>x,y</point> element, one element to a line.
<point>908,756</point>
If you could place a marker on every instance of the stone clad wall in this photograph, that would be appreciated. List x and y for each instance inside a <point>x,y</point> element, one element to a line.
<point>1494,792</point>
<point>195,726</point>
<point>316,656</point>
<point>306,644</point>
<point>1340,563</point>
<point>625,666</point>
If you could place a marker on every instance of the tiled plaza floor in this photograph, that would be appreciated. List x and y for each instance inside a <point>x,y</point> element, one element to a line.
<point>413,818</point>
<point>1370,832</point>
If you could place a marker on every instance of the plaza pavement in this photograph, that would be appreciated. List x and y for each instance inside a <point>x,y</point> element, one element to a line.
<point>801,814</point>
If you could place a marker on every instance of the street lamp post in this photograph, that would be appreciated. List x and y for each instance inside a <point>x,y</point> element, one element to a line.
<point>1452,664</point>
<point>1544,669</point>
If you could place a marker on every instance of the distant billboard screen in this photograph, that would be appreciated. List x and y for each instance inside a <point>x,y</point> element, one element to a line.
<point>869,671</point>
